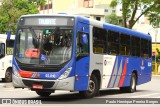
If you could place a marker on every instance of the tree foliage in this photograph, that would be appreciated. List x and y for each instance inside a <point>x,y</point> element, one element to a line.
<point>130,8</point>
<point>11,10</point>
<point>154,17</point>
<point>113,19</point>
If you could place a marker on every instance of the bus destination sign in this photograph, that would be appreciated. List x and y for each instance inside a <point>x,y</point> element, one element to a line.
<point>46,21</point>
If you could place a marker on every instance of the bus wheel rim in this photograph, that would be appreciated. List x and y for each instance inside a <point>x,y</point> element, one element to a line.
<point>8,75</point>
<point>133,83</point>
<point>91,86</point>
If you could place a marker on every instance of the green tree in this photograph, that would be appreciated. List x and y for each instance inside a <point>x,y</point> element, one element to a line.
<point>154,17</point>
<point>113,19</point>
<point>130,8</point>
<point>11,10</point>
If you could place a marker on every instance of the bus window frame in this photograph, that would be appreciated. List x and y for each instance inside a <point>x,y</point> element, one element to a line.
<point>120,44</point>
<point>80,55</point>
<point>148,48</point>
<point>135,56</point>
<point>8,46</point>
<point>106,37</point>
<point>118,51</point>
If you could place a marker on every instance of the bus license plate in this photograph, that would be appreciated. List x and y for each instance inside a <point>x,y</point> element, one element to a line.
<point>37,86</point>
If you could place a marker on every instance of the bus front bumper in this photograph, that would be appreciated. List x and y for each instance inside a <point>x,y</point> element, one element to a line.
<point>64,84</point>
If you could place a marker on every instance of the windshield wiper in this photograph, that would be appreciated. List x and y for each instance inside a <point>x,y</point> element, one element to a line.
<point>33,33</point>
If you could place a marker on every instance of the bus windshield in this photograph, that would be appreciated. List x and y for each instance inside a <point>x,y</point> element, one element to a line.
<point>44,45</point>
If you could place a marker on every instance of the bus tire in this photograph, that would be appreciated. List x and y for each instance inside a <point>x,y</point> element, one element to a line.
<point>132,87</point>
<point>133,83</point>
<point>8,76</point>
<point>92,88</point>
<point>43,94</point>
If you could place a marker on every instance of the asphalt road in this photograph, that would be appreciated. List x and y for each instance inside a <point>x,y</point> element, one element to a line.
<point>145,91</point>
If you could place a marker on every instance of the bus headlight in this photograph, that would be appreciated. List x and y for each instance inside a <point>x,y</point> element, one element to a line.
<point>65,74</point>
<point>15,71</point>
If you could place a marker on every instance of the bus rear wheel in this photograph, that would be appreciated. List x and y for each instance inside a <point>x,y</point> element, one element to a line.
<point>92,88</point>
<point>132,87</point>
<point>43,94</point>
<point>8,76</point>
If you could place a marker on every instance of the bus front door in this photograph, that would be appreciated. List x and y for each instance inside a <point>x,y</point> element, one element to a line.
<point>82,57</point>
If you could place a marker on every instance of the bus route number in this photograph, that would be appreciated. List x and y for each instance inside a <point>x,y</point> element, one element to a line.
<point>50,75</point>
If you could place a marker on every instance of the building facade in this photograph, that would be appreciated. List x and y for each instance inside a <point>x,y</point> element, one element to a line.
<point>89,8</point>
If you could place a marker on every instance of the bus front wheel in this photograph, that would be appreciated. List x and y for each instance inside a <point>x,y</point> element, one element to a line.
<point>43,94</point>
<point>8,76</point>
<point>92,88</point>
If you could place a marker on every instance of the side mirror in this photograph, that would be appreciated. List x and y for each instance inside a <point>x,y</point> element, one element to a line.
<point>84,39</point>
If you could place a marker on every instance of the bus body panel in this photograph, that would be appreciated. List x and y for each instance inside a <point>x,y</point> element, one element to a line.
<point>82,64</point>
<point>108,65</point>
<point>6,61</point>
<point>65,84</point>
<point>82,74</point>
<point>119,70</point>
<point>44,78</point>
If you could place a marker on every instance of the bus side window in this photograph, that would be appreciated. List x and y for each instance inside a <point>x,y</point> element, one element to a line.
<point>82,48</point>
<point>135,41</point>
<point>124,44</point>
<point>113,43</point>
<point>144,48</point>
<point>99,41</point>
<point>9,47</point>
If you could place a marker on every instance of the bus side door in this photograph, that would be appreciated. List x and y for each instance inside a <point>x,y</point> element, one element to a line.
<point>82,57</point>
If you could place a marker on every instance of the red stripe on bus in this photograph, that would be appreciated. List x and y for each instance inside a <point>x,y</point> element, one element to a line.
<point>123,75</point>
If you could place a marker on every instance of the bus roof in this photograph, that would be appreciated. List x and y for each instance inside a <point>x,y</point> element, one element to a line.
<point>36,15</point>
<point>4,36</point>
<point>106,26</point>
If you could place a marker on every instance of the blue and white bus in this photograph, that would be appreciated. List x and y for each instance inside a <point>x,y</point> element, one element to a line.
<point>63,52</point>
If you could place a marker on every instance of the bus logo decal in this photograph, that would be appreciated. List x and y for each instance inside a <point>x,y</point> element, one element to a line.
<point>142,67</point>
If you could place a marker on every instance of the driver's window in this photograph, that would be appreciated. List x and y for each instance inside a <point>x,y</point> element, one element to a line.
<point>2,50</point>
<point>81,47</point>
